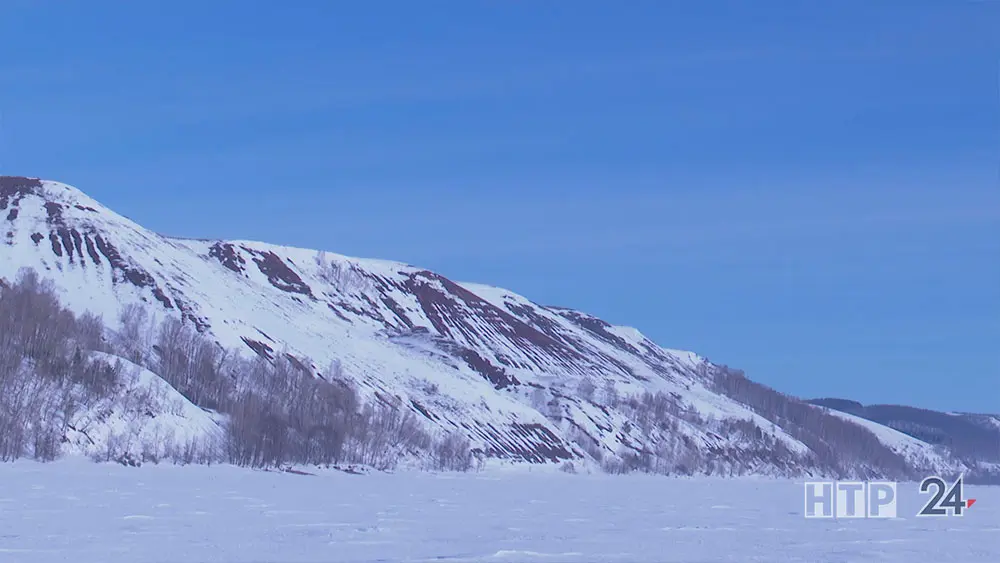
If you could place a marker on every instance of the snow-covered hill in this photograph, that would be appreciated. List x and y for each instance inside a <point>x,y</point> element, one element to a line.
<point>916,452</point>
<point>525,382</point>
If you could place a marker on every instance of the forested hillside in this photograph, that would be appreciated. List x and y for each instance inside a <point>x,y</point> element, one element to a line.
<point>63,375</point>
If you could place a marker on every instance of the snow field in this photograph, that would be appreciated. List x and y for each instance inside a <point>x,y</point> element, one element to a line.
<point>85,512</point>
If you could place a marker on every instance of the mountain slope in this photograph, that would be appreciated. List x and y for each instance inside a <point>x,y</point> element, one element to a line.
<point>974,438</point>
<point>525,382</point>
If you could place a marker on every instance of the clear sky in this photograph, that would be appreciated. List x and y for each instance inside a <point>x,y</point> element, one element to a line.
<point>806,190</point>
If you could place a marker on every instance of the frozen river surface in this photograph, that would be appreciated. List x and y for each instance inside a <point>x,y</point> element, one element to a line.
<point>83,512</point>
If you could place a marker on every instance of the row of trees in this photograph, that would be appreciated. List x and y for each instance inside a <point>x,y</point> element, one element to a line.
<point>839,445</point>
<point>655,441</point>
<point>276,411</point>
<point>669,431</point>
<point>661,434</point>
<point>662,446</point>
<point>45,376</point>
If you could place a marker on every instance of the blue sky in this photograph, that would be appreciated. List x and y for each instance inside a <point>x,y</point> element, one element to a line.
<point>805,190</point>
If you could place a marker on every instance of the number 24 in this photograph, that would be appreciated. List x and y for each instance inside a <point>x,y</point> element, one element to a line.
<point>940,503</point>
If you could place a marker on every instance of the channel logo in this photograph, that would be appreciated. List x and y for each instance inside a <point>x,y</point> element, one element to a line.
<point>878,499</point>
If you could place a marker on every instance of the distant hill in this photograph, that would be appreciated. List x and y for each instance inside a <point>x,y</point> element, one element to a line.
<point>966,435</point>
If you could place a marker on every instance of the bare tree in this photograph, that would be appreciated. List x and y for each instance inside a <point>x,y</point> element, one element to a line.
<point>586,389</point>
<point>610,393</point>
<point>136,333</point>
<point>343,276</point>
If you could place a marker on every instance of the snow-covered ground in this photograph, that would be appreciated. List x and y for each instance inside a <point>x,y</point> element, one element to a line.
<point>74,510</point>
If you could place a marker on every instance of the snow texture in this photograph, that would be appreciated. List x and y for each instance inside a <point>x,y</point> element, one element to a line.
<point>75,510</point>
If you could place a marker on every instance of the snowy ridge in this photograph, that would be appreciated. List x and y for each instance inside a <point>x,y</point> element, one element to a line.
<point>466,357</point>
<point>919,454</point>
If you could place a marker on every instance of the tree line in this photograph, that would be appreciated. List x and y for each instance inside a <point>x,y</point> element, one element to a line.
<point>847,449</point>
<point>275,411</point>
